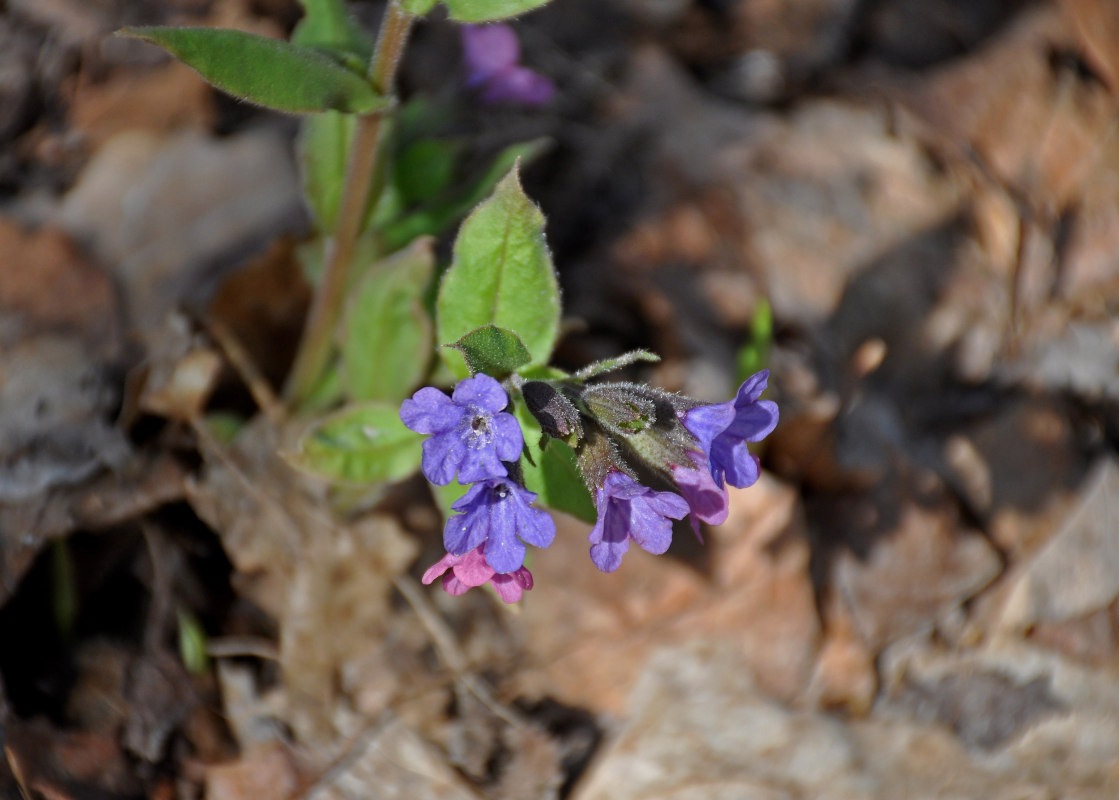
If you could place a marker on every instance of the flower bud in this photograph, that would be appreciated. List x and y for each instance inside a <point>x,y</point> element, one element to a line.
<point>556,414</point>
<point>644,421</point>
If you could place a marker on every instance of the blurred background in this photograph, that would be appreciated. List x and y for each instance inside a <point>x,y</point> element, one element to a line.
<point>908,210</point>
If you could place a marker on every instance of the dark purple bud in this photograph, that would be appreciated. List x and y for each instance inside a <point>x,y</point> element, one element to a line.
<point>556,414</point>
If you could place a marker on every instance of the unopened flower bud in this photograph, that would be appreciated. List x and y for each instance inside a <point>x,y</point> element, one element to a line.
<point>556,414</point>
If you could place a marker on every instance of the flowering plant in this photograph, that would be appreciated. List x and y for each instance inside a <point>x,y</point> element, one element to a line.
<point>514,431</point>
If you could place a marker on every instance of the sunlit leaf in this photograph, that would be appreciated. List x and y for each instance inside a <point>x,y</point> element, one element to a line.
<point>502,275</point>
<point>492,350</point>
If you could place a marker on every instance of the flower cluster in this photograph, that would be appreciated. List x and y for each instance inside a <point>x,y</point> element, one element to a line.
<point>471,436</point>
<point>648,457</point>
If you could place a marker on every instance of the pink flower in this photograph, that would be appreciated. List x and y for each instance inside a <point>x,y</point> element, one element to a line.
<point>470,570</point>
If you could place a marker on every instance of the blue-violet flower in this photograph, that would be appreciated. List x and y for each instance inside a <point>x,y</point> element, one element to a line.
<point>627,510</point>
<point>471,435</point>
<point>722,431</point>
<point>470,570</point>
<point>707,500</point>
<point>491,54</point>
<point>497,518</point>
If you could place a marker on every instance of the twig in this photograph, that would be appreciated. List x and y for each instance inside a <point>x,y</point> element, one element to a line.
<point>451,654</point>
<point>248,371</point>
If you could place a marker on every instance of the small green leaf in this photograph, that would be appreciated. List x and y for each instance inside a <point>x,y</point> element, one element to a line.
<point>501,274</point>
<point>362,443</point>
<point>754,354</point>
<point>192,644</point>
<point>328,25</point>
<point>269,72</point>
<point>224,425</point>
<point>476,10</point>
<point>492,350</point>
<point>64,587</point>
<point>612,364</point>
<point>386,334</point>
<point>555,477</point>
<point>441,213</point>
<point>324,146</point>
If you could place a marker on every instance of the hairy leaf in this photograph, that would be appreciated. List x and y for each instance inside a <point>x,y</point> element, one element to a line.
<point>362,443</point>
<point>612,364</point>
<point>268,72</point>
<point>492,350</point>
<point>501,274</point>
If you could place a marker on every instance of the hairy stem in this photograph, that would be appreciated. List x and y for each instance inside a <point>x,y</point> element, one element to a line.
<point>361,180</point>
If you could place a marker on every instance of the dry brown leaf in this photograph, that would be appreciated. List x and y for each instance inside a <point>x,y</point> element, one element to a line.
<point>326,582</point>
<point>168,97</point>
<point>759,596</point>
<point>1097,24</point>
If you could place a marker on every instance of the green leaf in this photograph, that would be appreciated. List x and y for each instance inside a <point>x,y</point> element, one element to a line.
<point>64,587</point>
<point>362,443</point>
<point>439,215</point>
<point>192,643</point>
<point>542,373</point>
<point>386,333</point>
<point>446,495</point>
<point>492,350</point>
<point>269,72</point>
<point>426,168</point>
<point>612,364</point>
<point>224,425</point>
<point>476,10</point>
<point>554,477</point>
<point>501,274</point>
<point>324,146</point>
<point>754,354</point>
<point>328,25</point>
<point>418,7</point>
<point>325,393</point>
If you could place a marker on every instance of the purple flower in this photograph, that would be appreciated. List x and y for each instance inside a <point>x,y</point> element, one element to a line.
<point>470,570</point>
<point>722,431</point>
<point>496,518</point>
<point>627,510</point>
<point>469,435</point>
<point>492,53</point>
<point>707,500</point>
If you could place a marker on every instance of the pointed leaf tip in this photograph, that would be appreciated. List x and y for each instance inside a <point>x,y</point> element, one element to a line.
<point>502,275</point>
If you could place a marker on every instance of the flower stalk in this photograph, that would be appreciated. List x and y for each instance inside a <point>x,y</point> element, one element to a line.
<point>364,179</point>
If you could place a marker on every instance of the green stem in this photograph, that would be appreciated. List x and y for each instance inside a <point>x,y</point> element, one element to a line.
<point>326,307</point>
